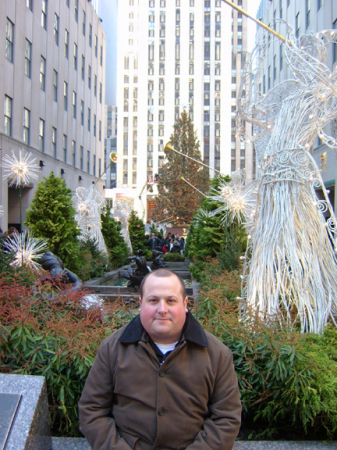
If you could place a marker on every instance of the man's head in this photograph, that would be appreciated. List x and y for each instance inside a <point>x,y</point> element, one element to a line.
<point>153,236</point>
<point>163,306</point>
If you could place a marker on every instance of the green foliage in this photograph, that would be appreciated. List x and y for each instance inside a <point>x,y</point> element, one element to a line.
<point>211,236</point>
<point>137,235</point>
<point>158,231</point>
<point>176,199</point>
<point>287,380</point>
<point>52,217</point>
<point>174,257</point>
<point>48,333</point>
<point>93,261</point>
<point>117,247</point>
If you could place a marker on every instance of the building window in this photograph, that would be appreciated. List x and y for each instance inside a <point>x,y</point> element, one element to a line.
<point>83,23</point>
<point>95,85</point>
<point>41,135</point>
<point>53,141</point>
<point>100,130</point>
<point>28,58</point>
<point>74,104</point>
<point>43,74</point>
<point>96,45</point>
<point>307,13</point>
<point>319,4</point>
<point>269,79</point>
<point>76,10</point>
<point>75,56</point>
<point>55,83</point>
<point>89,111</point>
<point>56,29</point>
<point>83,67</point>
<point>101,56</point>
<point>44,14</point>
<point>94,164</point>
<point>29,4</point>
<point>64,146</point>
<point>66,43</point>
<point>274,67</point>
<point>95,125</point>
<point>100,92</point>
<point>65,96</point>
<point>73,152</point>
<point>217,51</point>
<point>26,125</point>
<point>89,77</point>
<point>9,40</point>
<point>281,58</point>
<point>297,25</point>
<point>207,51</point>
<point>90,35</point>
<point>81,157</point>
<point>8,115</point>
<point>82,112</point>
<point>88,161</point>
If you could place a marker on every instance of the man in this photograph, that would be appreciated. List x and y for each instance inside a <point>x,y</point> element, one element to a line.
<point>161,382</point>
<point>153,242</point>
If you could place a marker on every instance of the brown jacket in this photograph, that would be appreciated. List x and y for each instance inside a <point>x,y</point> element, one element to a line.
<point>189,402</point>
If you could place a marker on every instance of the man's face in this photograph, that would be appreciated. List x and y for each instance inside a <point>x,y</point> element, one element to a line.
<point>153,236</point>
<point>163,309</point>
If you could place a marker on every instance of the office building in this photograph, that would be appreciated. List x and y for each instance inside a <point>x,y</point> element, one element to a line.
<point>175,55</point>
<point>53,89</point>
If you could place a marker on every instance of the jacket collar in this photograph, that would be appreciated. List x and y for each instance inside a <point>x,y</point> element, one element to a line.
<point>192,331</point>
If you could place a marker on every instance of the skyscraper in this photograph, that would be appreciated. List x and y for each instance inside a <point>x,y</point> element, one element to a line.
<point>52,86</point>
<point>175,55</point>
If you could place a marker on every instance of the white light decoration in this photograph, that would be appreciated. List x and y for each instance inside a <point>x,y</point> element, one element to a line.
<point>290,266</point>
<point>26,250</point>
<point>89,205</point>
<point>20,170</point>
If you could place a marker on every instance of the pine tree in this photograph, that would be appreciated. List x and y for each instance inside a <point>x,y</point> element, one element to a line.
<point>117,247</point>
<point>137,235</point>
<point>176,200</point>
<point>52,217</point>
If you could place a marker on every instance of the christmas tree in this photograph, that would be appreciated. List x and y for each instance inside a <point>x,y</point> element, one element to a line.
<point>111,230</point>
<point>52,217</point>
<point>177,201</point>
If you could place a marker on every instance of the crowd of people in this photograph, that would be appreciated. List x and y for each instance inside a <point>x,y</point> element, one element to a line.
<point>172,243</point>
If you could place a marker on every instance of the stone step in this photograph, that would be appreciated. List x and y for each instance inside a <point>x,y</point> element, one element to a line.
<point>81,444</point>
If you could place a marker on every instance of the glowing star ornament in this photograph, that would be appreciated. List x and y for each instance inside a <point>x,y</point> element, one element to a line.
<point>20,170</point>
<point>26,250</point>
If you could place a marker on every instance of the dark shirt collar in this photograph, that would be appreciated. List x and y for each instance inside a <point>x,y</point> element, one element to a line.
<point>193,331</point>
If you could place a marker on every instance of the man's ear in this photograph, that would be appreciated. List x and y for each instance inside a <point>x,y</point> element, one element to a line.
<point>140,302</point>
<point>185,301</point>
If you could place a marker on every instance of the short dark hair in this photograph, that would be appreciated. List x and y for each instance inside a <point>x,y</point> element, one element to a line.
<point>163,273</point>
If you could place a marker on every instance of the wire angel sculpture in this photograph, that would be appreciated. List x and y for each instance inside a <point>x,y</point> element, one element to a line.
<point>89,205</point>
<point>290,263</point>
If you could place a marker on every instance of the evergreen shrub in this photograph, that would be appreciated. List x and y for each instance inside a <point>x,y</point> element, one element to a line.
<point>116,245</point>
<point>287,380</point>
<point>137,236</point>
<point>176,257</point>
<point>93,262</point>
<point>211,236</point>
<point>52,217</point>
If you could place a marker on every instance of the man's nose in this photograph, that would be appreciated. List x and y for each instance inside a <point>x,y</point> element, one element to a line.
<point>162,307</point>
